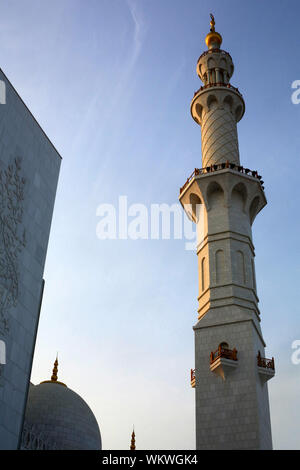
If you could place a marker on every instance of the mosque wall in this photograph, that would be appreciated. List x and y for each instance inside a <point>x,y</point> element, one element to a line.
<point>29,170</point>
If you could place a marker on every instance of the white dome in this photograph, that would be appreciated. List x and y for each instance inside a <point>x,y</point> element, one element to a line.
<point>62,417</point>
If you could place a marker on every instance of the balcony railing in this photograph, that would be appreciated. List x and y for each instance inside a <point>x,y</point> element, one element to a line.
<point>222,166</point>
<point>210,51</point>
<point>264,362</point>
<point>223,352</point>
<point>193,378</point>
<point>210,85</point>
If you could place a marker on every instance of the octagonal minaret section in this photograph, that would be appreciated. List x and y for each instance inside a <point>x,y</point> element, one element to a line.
<point>217,106</point>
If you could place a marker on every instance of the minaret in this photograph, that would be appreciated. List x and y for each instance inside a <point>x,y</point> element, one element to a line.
<point>223,199</point>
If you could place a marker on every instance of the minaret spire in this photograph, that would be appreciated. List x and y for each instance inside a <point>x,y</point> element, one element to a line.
<point>212,23</point>
<point>213,39</point>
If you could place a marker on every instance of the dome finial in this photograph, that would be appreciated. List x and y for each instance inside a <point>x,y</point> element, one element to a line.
<point>213,39</point>
<point>55,370</point>
<point>132,447</point>
<point>54,374</point>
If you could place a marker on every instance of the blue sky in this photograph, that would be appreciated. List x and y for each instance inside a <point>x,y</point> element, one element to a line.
<point>110,82</point>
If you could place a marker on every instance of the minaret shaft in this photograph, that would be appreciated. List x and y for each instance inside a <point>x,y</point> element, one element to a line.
<point>223,198</point>
<point>217,107</point>
<point>219,137</point>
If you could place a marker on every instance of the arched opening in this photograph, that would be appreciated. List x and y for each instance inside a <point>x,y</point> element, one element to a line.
<point>228,103</point>
<point>211,63</point>
<point>239,195</point>
<point>199,110</point>
<point>215,194</point>
<point>212,102</point>
<point>254,208</point>
<point>238,113</point>
<point>195,203</point>
<point>223,64</point>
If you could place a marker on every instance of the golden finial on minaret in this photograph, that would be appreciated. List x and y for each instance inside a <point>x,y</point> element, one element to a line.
<point>132,447</point>
<point>213,39</point>
<point>212,23</point>
<point>55,370</point>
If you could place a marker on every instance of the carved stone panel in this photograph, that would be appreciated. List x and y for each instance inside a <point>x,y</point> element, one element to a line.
<point>12,238</point>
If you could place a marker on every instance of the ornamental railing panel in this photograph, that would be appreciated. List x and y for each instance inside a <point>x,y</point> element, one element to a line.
<point>225,353</point>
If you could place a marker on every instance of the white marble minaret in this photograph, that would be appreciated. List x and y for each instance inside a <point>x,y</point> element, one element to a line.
<point>223,198</point>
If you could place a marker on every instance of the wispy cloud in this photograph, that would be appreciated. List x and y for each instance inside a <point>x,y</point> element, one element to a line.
<point>139,31</point>
<point>124,84</point>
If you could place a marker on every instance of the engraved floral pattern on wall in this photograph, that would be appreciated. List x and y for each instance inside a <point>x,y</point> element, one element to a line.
<point>12,237</point>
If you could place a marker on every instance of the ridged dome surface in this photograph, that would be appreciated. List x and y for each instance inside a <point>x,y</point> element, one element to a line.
<point>63,417</point>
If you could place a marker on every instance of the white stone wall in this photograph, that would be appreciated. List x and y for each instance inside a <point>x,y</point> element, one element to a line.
<point>22,138</point>
<point>231,413</point>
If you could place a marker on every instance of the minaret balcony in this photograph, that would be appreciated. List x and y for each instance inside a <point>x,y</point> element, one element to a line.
<point>193,378</point>
<point>216,93</point>
<point>222,352</point>
<point>219,167</point>
<point>266,368</point>
<point>217,84</point>
<point>223,361</point>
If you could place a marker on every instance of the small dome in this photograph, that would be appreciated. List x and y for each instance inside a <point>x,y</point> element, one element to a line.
<point>62,417</point>
<point>213,40</point>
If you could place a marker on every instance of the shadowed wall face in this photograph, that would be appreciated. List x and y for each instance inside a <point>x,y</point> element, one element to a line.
<point>29,169</point>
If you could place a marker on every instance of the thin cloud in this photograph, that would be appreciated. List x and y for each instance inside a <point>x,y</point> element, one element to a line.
<point>139,30</point>
<point>124,84</point>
